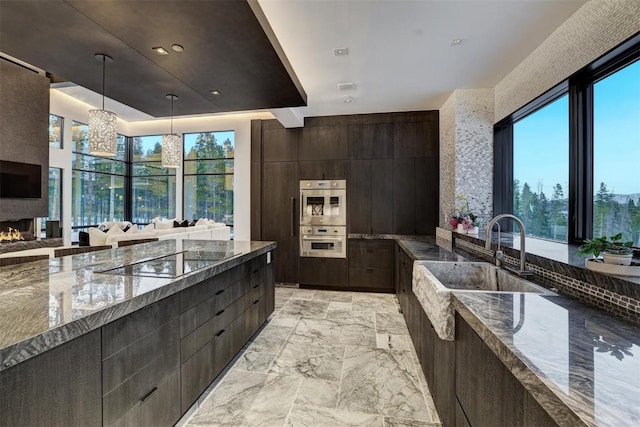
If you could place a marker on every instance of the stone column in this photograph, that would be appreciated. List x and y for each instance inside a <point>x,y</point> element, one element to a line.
<point>466,153</point>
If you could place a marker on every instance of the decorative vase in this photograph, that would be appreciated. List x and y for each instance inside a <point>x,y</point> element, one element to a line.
<point>617,259</point>
<point>461,229</point>
<point>474,230</point>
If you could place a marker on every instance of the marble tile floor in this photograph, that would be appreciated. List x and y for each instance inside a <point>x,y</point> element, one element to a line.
<point>324,358</point>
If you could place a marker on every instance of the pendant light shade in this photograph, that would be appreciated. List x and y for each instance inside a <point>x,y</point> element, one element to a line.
<point>171,144</point>
<point>103,135</point>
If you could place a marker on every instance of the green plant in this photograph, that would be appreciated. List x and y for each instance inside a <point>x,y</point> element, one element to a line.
<point>612,245</point>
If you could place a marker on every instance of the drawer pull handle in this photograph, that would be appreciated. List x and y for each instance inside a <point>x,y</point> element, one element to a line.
<point>256,301</point>
<point>221,332</point>
<point>148,395</point>
<point>219,313</point>
<point>369,270</point>
<point>256,286</point>
<point>256,270</point>
<point>219,292</point>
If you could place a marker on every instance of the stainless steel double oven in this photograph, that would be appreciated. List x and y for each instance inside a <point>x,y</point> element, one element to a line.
<point>323,218</point>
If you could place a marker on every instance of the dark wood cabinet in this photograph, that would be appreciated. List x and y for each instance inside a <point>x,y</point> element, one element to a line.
<point>416,139</point>
<point>330,272</point>
<point>280,145</point>
<point>324,143</point>
<point>404,196</point>
<point>491,395</point>
<point>370,196</point>
<point>141,366</point>
<point>60,387</point>
<point>281,224</point>
<point>371,141</point>
<point>323,169</point>
<point>371,264</point>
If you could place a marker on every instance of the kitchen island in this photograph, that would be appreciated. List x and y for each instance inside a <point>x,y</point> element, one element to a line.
<point>126,336</point>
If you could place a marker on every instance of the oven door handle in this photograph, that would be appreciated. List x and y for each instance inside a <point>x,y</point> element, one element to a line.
<point>322,238</point>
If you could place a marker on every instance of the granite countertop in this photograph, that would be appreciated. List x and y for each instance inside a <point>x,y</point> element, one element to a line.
<point>46,303</point>
<point>581,364</point>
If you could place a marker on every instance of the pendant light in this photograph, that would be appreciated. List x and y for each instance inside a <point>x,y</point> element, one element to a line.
<point>171,143</point>
<point>103,137</point>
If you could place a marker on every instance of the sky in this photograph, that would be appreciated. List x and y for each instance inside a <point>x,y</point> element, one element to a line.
<point>541,147</point>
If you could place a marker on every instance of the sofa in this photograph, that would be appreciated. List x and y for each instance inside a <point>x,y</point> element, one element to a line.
<point>161,229</point>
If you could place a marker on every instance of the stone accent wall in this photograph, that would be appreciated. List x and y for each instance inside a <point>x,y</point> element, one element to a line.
<point>447,161</point>
<point>466,153</point>
<point>596,28</point>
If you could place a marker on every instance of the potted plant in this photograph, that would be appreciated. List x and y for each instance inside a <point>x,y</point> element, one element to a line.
<point>614,250</point>
<point>464,221</point>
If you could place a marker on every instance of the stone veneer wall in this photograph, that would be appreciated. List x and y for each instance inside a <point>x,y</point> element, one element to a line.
<point>595,28</point>
<point>466,153</point>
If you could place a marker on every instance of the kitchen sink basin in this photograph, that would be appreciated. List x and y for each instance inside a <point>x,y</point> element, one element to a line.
<point>479,276</point>
<point>434,282</point>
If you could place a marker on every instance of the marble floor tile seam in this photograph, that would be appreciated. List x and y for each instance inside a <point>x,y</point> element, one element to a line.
<point>286,419</point>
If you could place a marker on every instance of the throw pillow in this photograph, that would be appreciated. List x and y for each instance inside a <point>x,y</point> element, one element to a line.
<point>114,231</point>
<point>97,237</point>
<point>131,230</point>
<point>149,228</point>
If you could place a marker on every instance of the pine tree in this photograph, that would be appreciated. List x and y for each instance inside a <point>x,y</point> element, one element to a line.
<point>517,200</point>
<point>526,206</point>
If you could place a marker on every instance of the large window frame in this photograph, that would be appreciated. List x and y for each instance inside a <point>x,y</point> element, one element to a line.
<point>579,87</point>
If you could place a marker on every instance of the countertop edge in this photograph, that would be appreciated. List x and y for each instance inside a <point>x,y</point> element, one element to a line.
<point>21,351</point>
<point>542,392</point>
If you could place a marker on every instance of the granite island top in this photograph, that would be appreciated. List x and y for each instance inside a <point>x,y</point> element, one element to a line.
<point>46,303</point>
<point>581,364</point>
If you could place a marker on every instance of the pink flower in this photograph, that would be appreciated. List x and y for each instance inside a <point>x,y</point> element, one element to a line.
<point>453,223</point>
<point>467,224</point>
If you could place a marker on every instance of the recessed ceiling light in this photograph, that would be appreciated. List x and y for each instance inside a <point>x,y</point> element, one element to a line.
<point>215,92</point>
<point>341,51</point>
<point>177,47</point>
<point>346,86</point>
<point>160,50</point>
<point>456,42</point>
<point>348,99</point>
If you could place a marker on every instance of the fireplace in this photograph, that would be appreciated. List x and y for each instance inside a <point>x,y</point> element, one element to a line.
<point>19,227</point>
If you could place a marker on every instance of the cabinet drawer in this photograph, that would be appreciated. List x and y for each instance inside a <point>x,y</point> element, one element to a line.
<point>370,278</point>
<point>199,314</point>
<point>195,295</point>
<point>125,363</point>
<point>323,271</point>
<point>207,331</point>
<point>129,329</point>
<point>129,399</point>
<point>197,373</point>
<point>371,254</point>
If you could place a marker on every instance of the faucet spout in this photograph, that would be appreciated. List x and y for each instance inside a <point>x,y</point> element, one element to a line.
<point>523,254</point>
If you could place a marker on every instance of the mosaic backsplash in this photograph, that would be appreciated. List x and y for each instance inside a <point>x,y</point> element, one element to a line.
<point>625,304</point>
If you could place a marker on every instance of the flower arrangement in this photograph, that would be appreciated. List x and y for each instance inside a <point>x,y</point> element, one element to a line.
<point>464,216</point>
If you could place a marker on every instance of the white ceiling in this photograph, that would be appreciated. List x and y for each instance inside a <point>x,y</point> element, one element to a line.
<point>400,53</point>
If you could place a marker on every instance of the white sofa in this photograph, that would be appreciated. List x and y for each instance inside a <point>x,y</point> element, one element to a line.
<point>162,230</point>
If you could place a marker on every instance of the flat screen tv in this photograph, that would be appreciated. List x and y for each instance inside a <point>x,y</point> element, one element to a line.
<point>20,180</point>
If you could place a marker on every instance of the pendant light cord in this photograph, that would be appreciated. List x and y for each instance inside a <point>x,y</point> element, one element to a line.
<point>172,96</point>
<point>104,62</point>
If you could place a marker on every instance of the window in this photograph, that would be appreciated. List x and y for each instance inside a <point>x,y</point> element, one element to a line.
<point>55,131</point>
<point>98,184</point>
<point>55,199</point>
<point>153,187</point>
<point>616,154</point>
<point>541,170</point>
<point>208,176</point>
<point>567,162</point>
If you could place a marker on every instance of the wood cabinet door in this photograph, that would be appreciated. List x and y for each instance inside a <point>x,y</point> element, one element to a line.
<point>382,196</point>
<point>372,141</point>
<point>280,145</point>
<point>487,391</point>
<point>324,143</point>
<point>280,216</point>
<point>427,178</point>
<point>404,190</point>
<point>359,197</point>
<point>60,387</point>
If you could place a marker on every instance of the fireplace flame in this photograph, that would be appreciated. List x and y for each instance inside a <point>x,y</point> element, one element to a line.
<point>10,236</point>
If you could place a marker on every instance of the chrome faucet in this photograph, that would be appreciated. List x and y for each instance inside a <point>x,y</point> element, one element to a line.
<point>498,254</point>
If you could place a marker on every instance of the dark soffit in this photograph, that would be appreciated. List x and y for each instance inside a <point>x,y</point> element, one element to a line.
<point>228,46</point>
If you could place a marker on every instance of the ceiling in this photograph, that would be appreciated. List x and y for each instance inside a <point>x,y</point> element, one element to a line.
<point>401,56</point>
<point>225,49</point>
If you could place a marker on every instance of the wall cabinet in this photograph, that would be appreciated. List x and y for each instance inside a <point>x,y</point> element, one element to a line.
<point>370,196</point>
<point>323,169</point>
